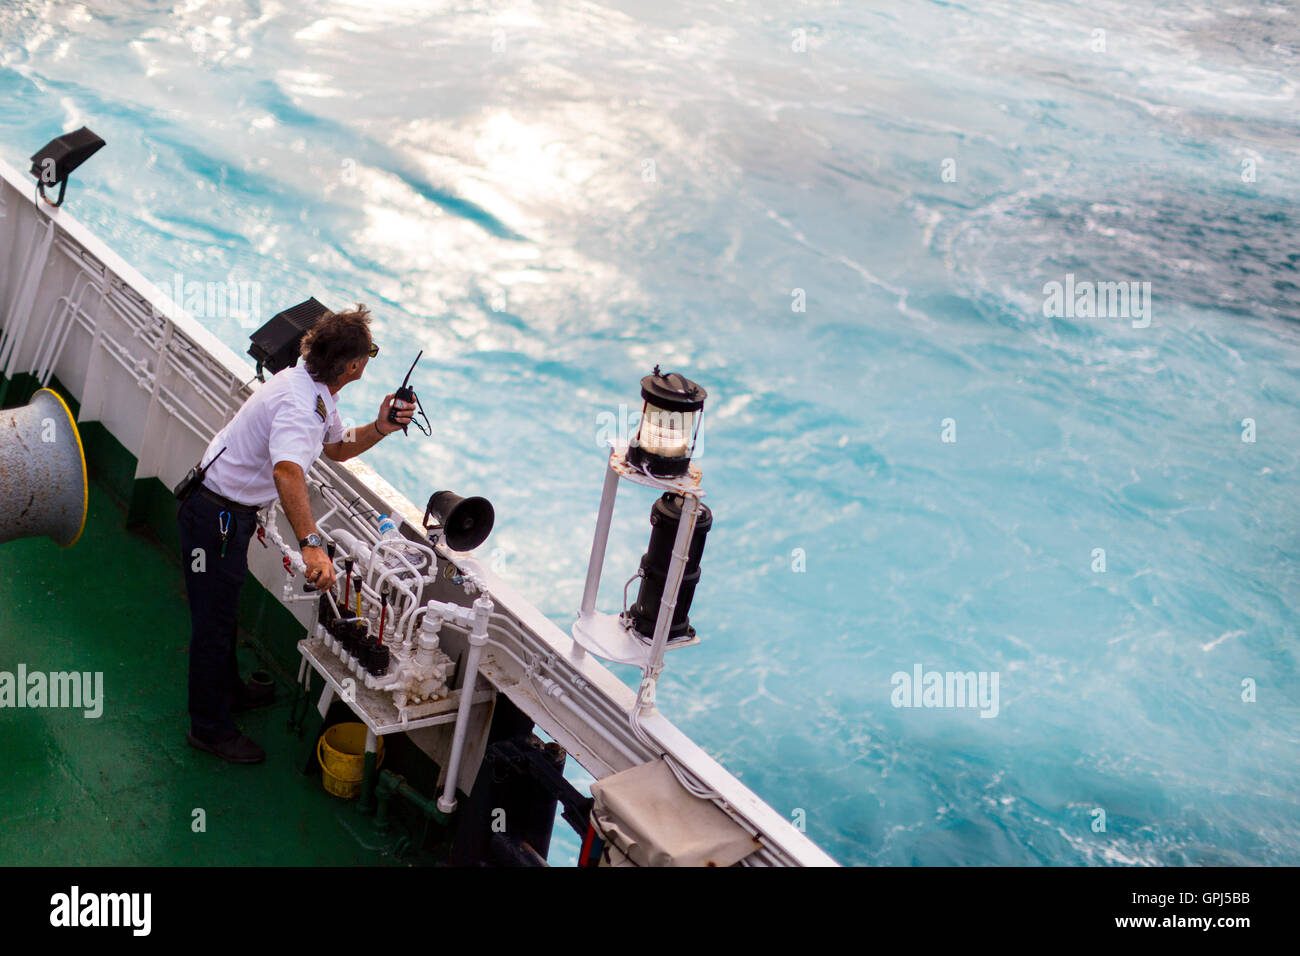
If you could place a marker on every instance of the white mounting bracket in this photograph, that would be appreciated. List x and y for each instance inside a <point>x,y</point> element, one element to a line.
<point>605,635</point>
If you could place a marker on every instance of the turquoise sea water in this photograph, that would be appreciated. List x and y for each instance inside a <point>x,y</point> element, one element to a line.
<point>549,198</point>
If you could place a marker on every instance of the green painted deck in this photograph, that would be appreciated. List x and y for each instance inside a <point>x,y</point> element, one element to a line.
<point>123,788</point>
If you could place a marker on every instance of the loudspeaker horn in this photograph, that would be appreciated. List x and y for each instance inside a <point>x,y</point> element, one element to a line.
<point>465,522</point>
<point>43,488</point>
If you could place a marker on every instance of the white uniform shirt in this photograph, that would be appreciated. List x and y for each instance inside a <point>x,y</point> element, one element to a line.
<point>289,418</point>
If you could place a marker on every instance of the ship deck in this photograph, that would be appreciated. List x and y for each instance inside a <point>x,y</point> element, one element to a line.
<point>122,789</point>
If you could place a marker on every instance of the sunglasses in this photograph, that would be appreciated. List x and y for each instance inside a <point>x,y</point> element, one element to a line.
<point>374,350</point>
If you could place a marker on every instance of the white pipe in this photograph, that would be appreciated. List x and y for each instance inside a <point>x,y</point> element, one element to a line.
<point>398,612</point>
<point>168,400</point>
<point>50,345</point>
<point>406,623</point>
<point>410,637</point>
<point>399,597</point>
<point>392,544</point>
<point>368,534</point>
<point>119,353</point>
<point>272,529</point>
<point>295,559</point>
<point>406,588</point>
<point>324,519</point>
<point>290,596</point>
<point>599,540</point>
<point>357,551</point>
<point>551,687</point>
<point>389,576</point>
<point>568,696</point>
<point>477,638</point>
<point>402,624</point>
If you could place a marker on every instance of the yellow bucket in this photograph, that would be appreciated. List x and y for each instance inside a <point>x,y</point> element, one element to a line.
<point>341,751</point>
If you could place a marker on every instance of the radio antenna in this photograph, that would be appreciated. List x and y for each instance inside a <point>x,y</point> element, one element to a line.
<point>406,381</point>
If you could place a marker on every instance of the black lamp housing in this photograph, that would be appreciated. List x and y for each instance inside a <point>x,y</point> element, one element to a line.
<point>664,519</point>
<point>56,160</point>
<point>670,420</point>
<point>277,344</point>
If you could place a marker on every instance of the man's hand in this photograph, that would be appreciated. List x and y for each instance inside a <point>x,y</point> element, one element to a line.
<point>320,569</point>
<point>404,412</point>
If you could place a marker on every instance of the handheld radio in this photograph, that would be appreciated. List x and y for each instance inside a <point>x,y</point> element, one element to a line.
<point>194,478</point>
<point>405,394</point>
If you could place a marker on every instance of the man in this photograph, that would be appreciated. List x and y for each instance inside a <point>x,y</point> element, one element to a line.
<point>268,447</point>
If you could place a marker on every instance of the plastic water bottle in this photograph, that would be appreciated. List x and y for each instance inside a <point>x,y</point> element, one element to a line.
<point>388,532</point>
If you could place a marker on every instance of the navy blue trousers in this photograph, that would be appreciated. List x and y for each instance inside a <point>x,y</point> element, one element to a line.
<point>213,585</point>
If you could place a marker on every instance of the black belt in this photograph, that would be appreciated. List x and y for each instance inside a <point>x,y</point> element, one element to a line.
<point>226,502</point>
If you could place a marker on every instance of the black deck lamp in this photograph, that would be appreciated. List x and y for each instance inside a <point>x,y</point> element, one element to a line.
<point>671,409</point>
<point>56,160</point>
<point>277,344</point>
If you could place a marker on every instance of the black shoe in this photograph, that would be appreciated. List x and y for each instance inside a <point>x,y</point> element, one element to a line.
<point>235,749</point>
<point>253,694</point>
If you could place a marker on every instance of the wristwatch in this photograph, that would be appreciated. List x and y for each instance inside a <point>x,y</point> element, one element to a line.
<point>311,541</point>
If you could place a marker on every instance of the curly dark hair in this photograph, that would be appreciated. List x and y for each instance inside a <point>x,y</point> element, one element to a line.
<point>335,340</point>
